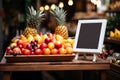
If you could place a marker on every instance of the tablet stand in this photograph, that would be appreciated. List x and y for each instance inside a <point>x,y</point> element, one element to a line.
<point>76,56</point>
<point>94,57</point>
<point>85,56</point>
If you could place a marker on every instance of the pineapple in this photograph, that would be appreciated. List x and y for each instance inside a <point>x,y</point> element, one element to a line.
<point>33,20</point>
<point>60,15</point>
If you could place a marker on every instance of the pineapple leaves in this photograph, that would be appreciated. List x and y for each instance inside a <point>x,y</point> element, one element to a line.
<point>29,10</point>
<point>34,16</point>
<point>33,11</point>
<point>59,15</point>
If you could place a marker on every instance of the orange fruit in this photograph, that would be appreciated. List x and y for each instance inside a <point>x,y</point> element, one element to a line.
<point>46,51</point>
<point>69,50</point>
<point>62,51</point>
<point>17,50</point>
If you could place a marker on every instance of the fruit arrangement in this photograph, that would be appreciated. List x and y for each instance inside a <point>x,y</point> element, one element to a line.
<point>115,34</point>
<point>47,44</point>
<point>106,53</point>
<point>32,43</point>
<point>110,55</point>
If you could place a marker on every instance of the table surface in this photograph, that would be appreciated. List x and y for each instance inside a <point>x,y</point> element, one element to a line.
<point>80,64</point>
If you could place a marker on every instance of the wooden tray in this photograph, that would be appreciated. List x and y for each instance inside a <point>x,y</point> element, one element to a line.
<point>38,58</point>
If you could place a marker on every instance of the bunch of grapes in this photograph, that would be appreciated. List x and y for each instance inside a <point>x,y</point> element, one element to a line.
<point>106,53</point>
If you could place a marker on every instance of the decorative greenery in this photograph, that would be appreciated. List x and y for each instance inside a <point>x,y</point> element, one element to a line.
<point>113,22</point>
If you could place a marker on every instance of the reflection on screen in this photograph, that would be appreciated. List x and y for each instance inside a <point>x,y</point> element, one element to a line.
<point>89,35</point>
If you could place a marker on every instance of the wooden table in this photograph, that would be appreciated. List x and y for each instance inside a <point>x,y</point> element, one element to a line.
<point>100,65</point>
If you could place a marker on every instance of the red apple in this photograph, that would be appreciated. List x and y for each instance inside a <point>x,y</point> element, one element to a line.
<point>25,44</point>
<point>54,51</point>
<point>29,46</point>
<point>32,53</point>
<point>46,51</point>
<point>47,40</point>
<point>43,45</point>
<point>10,52</point>
<point>26,52</point>
<point>19,42</point>
<point>50,35</point>
<point>20,46</point>
<point>22,49</point>
<point>38,52</point>
<point>53,40</point>
<point>8,48</point>
<point>58,44</point>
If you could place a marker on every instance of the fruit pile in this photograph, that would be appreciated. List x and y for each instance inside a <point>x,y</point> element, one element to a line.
<point>47,44</point>
<point>106,53</point>
<point>115,34</point>
<point>116,62</point>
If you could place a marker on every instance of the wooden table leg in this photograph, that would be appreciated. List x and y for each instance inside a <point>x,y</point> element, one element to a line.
<point>103,75</point>
<point>6,75</point>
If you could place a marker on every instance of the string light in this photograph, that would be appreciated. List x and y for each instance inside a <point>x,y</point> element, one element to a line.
<point>61,4</point>
<point>70,2</point>
<point>53,6</point>
<point>47,7</point>
<point>96,2</point>
<point>42,8</point>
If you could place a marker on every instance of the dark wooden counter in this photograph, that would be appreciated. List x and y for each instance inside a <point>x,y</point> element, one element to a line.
<point>99,65</point>
<point>114,73</point>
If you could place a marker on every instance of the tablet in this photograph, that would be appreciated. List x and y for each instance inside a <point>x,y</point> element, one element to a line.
<point>90,36</point>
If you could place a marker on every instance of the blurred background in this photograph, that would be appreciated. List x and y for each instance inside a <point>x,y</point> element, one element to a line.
<point>13,16</point>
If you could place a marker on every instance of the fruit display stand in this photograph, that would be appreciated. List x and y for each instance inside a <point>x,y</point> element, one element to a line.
<point>100,65</point>
<point>48,62</point>
<point>38,58</point>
